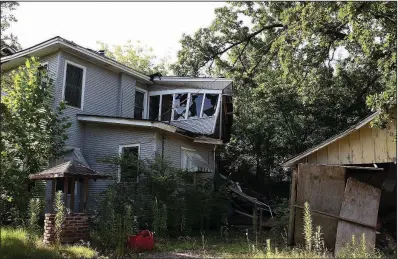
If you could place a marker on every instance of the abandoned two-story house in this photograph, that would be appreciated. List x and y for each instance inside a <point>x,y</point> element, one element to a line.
<point>115,109</point>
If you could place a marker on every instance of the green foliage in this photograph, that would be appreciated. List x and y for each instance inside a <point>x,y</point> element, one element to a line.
<point>162,197</point>
<point>32,133</point>
<point>59,216</point>
<point>7,17</point>
<point>358,249</point>
<point>136,56</point>
<point>15,244</point>
<point>33,228</point>
<point>302,71</point>
<point>308,238</point>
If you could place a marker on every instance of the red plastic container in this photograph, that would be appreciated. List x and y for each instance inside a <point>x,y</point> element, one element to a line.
<point>141,242</point>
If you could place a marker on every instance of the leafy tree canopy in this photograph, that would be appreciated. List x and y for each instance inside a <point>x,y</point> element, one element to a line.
<point>136,56</point>
<point>302,71</point>
<point>8,40</point>
<point>31,132</point>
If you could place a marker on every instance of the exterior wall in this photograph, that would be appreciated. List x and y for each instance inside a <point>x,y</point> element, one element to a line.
<point>127,96</point>
<point>173,145</point>
<point>105,93</point>
<point>364,146</point>
<point>102,141</point>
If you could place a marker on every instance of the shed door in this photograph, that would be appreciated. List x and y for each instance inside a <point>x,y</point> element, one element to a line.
<point>323,188</point>
<point>340,209</point>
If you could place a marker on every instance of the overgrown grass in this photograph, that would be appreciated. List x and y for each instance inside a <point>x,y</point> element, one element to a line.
<point>15,244</point>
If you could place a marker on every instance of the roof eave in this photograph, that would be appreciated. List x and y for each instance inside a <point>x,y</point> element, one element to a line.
<point>291,162</point>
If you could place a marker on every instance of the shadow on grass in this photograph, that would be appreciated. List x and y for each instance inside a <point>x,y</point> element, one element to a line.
<point>16,248</point>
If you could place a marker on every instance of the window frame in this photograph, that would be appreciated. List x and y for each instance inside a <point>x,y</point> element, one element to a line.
<point>189,92</point>
<point>146,103</point>
<point>118,177</point>
<point>83,82</point>
<point>189,150</point>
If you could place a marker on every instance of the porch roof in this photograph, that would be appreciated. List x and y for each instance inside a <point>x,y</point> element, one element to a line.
<point>68,169</point>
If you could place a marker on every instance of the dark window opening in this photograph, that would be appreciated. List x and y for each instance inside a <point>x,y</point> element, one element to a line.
<point>167,101</point>
<point>180,106</point>
<point>129,164</point>
<point>154,107</point>
<point>139,111</point>
<point>195,105</point>
<point>60,185</point>
<point>73,85</point>
<point>210,105</point>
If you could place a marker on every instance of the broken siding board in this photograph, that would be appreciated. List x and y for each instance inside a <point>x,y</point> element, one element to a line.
<point>322,187</point>
<point>361,204</point>
<point>333,153</point>
<point>356,147</point>
<point>367,144</point>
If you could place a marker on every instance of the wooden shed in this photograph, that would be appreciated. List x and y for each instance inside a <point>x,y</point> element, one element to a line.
<point>349,181</point>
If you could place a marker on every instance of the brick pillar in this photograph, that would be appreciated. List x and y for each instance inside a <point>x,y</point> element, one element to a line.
<point>74,229</point>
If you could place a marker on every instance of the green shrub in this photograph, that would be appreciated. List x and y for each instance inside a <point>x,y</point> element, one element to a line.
<point>59,216</point>
<point>33,222</point>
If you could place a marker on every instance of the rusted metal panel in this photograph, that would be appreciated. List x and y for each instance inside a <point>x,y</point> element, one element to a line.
<point>323,188</point>
<point>360,203</point>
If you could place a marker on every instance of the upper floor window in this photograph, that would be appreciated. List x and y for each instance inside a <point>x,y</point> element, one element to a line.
<point>209,105</point>
<point>140,104</point>
<point>180,106</point>
<point>73,93</point>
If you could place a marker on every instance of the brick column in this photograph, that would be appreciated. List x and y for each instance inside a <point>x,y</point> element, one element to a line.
<point>74,229</point>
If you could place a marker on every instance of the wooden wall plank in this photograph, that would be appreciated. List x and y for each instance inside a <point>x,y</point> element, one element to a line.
<point>312,158</point>
<point>345,150</point>
<point>333,153</point>
<point>367,144</point>
<point>361,204</point>
<point>380,143</point>
<point>322,187</point>
<point>322,157</point>
<point>391,143</point>
<point>356,147</point>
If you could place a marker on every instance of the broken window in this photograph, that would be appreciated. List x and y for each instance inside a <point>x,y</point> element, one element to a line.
<point>209,105</point>
<point>167,101</point>
<point>154,107</point>
<point>180,106</point>
<point>195,105</point>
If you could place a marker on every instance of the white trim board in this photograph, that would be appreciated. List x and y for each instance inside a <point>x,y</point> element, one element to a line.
<point>185,90</point>
<point>128,122</point>
<point>65,43</point>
